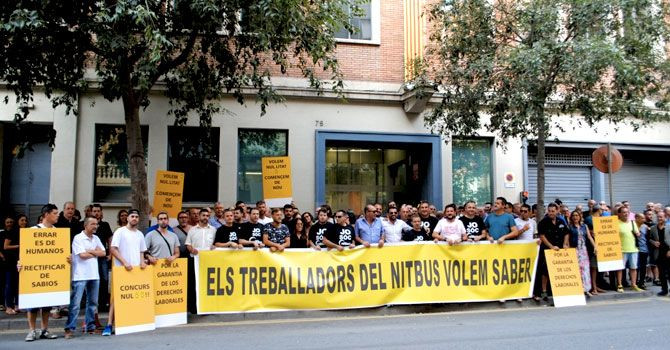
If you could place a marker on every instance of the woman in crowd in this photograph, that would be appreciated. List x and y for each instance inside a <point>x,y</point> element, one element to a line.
<point>307,220</point>
<point>579,235</point>
<point>122,218</point>
<point>299,234</point>
<point>11,247</point>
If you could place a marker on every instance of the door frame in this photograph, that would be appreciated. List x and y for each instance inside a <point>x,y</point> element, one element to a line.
<point>433,182</point>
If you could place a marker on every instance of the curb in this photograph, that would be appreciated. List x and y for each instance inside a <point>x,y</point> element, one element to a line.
<point>18,322</point>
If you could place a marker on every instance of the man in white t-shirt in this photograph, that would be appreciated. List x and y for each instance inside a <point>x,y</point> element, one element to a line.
<point>525,224</point>
<point>449,228</point>
<point>128,247</point>
<point>86,249</point>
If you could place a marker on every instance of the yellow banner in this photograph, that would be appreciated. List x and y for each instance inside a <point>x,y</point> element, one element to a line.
<point>277,189</point>
<point>566,282</point>
<point>168,192</point>
<point>412,273</point>
<point>170,281</point>
<point>133,294</point>
<point>44,279</point>
<point>608,243</point>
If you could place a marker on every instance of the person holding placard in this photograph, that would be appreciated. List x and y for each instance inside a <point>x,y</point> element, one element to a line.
<point>554,234</point>
<point>128,247</point>
<point>628,232</point>
<point>161,243</point>
<point>86,249</point>
<point>49,219</point>
<point>200,237</point>
<point>228,235</point>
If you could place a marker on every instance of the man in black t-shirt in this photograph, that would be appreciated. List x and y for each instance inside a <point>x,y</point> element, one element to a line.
<point>418,233</point>
<point>554,234</point>
<point>228,235</point>
<point>252,231</point>
<point>342,235</point>
<point>427,221</point>
<point>474,224</point>
<point>320,229</point>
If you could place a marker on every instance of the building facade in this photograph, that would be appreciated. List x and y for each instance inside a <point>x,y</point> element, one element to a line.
<point>373,147</point>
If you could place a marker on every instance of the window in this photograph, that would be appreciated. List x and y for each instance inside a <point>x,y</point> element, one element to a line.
<point>367,25</point>
<point>194,151</point>
<point>471,166</point>
<point>255,144</point>
<point>112,173</point>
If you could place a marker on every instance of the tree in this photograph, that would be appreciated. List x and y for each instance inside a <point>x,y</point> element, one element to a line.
<point>510,67</point>
<point>198,50</point>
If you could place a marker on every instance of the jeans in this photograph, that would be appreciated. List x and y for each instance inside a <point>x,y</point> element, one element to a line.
<point>642,259</point>
<point>11,287</point>
<point>103,294</point>
<point>78,287</point>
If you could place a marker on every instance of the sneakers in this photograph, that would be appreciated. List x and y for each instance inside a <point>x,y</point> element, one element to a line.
<point>619,289</point>
<point>32,335</point>
<point>47,335</point>
<point>662,293</point>
<point>69,334</point>
<point>657,282</point>
<point>108,331</point>
<point>636,288</point>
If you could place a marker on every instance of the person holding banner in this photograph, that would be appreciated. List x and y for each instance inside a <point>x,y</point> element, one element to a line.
<point>252,231</point>
<point>579,236</point>
<point>343,234</point>
<point>128,247</point>
<point>161,243</point>
<point>417,233</point>
<point>49,219</point>
<point>86,249</point>
<point>500,225</point>
<point>200,237</point>
<point>319,230</point>
<point>554,234</point>
<point>369,228</point>
<point>276,235</point>
<point>227,236</point>
<point>449,228</point>
<point>393,227</point>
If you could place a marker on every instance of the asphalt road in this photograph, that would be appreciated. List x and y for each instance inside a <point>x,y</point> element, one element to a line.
<point>635,324</point>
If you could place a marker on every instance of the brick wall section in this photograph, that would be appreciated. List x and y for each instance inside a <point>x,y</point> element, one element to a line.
<point>376,63</point>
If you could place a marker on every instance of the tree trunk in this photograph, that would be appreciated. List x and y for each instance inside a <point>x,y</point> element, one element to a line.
<point>136,159</point>
<point>541,138</point>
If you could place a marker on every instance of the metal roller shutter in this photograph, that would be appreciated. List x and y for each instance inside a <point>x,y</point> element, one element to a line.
<point>572,185</point>
<point>640,183</point>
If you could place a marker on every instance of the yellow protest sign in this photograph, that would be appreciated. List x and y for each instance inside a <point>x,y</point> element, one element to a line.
<point>608,243</point>
<point>44,279</point>
<point>277,189</point>
<point>133,295</point>
<point>168,192</point>
<point>566,282</point>
<point>247,280</point>
<point>170,281</point>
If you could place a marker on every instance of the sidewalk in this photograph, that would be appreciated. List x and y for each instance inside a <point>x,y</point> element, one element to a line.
<point>19,322</point>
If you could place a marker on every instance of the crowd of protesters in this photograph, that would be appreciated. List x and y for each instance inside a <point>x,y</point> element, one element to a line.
<point>645,241</point>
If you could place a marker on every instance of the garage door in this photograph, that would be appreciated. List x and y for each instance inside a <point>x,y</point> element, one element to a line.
<point>571,184</point>
<point>639,183</point>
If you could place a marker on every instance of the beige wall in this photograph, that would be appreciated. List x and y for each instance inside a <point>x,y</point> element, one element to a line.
<point>73,158</point>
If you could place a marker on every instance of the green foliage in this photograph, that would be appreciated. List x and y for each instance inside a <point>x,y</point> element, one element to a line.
<point>197,50</point>
<point>522,62</point>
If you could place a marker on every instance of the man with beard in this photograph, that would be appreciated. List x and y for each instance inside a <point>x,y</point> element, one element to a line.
<point>449,229</point>
<point>161,243</point>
